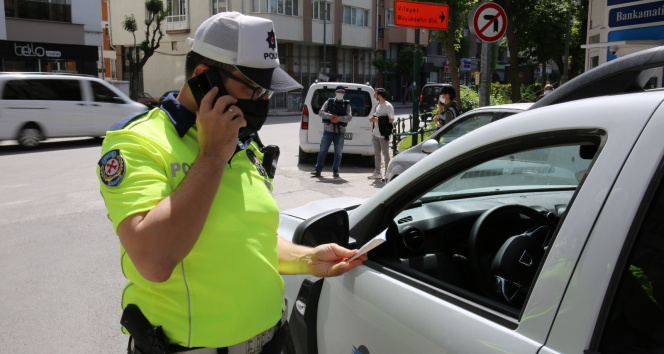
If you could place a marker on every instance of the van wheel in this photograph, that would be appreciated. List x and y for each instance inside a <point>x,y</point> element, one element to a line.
<point>304,157</point>
<point>30,136</point>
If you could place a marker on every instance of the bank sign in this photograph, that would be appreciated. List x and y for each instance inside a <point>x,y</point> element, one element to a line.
<point>637,15</point>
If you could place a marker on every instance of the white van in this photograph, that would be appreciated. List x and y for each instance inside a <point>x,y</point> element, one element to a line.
<point>358,132</point>
<point>37,106</point>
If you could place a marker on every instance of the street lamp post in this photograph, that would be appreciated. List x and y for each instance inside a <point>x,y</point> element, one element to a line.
<point>324,37</point>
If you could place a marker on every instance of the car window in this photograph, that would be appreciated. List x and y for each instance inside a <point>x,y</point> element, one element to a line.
<point>102,93</point>
<point>360,101</point>
<point>458,236</point>
<point>466,126</point>
<point>635,323</point>
<point>42,89</point>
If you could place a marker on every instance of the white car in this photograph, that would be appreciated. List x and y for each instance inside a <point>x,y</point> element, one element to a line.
<point>540,233</point>
<point>461,125</point>
<point>357,139</point>
<point>38,106</point>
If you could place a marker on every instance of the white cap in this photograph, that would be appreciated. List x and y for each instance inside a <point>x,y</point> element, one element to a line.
<point>248,43</point>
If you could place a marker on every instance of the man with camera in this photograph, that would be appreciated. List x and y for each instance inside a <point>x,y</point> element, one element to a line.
<point>336,113</point>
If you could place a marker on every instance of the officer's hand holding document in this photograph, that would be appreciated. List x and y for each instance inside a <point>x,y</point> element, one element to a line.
<point>373,243</point>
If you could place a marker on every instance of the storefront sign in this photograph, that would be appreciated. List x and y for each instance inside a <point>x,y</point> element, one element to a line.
<point>34,50</point>
<point>29,50</point>
<point>636,15</point>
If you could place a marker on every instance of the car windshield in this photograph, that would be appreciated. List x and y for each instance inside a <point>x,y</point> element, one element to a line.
<point>560,167</point>
<point>360,101</point>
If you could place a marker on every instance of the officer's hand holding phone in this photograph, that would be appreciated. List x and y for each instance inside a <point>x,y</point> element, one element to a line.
<point>218,120</point>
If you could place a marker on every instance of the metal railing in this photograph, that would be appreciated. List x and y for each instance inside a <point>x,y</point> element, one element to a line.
<point>399,132</point>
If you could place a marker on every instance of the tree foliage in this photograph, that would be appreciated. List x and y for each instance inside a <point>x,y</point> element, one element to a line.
<point>139,54</point>
<point>405,62</point>
<point>451,39</point>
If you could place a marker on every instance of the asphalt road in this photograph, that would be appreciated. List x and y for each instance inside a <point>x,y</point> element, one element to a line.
<point>59,257</point>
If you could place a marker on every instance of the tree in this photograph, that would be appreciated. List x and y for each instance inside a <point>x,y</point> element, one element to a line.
<point>383,65</point>
<point>451,39</point>
<point>153,34</point>
<point>405,62</point>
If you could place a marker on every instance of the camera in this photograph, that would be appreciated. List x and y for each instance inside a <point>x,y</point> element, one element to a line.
<point>613,49</point>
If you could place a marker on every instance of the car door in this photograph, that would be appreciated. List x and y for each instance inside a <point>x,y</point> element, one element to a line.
<point>622,263</point>
<point>105,106</point>
<point>52,103</point>
<point>416,301</point>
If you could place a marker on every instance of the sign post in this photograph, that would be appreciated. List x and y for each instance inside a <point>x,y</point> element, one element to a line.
<point>419,15</point>
<point>489,23</point>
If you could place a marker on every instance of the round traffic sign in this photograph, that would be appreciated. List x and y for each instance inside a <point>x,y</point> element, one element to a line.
<point>489,22</point>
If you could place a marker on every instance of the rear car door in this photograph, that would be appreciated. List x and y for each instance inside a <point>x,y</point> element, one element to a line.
<point>51,103</point>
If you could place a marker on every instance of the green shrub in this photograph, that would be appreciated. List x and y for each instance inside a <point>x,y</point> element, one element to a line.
<point>530,93</point>
<point>469,99</point>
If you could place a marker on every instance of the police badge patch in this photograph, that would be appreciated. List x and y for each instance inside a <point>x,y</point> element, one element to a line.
<point>111,168</point>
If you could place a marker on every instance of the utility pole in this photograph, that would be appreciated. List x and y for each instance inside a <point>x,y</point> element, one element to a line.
<point>485,74</point>
<point>416,87</point>
<point>324,37</point>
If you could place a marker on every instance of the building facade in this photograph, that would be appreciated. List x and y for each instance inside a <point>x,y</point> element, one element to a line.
<point>50,36</point>
<point>317,40</point>
<point>620,27</point>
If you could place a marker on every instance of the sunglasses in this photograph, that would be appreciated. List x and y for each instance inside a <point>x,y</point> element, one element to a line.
<point>258,93</point>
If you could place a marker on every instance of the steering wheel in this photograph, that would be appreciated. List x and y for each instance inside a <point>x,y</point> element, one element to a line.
<point>505,266</point>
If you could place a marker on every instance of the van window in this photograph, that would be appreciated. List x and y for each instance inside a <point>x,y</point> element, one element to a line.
<point>102,93</point>
<point>360,101</point>
<point>42,89</point>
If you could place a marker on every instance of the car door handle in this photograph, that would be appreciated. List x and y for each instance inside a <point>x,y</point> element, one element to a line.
<point>301,307</point>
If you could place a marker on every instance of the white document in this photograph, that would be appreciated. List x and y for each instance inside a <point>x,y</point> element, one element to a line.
<point>370,245</point>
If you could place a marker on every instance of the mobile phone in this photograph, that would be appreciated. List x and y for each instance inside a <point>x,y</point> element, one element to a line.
<point>201,84</point>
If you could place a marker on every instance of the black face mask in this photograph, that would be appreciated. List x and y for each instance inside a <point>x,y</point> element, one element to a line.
<point>255,113</point>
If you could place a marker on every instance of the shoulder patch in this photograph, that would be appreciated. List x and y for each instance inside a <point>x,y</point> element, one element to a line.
<point>111,168</point>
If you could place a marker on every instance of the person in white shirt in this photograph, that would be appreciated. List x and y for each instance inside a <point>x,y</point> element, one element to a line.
<point>381,130</point>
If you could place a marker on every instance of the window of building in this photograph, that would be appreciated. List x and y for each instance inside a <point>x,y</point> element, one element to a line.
<point>389,17</point>
<point>178,17</point>
<point>322,9</point>
<point>219,6</point>
<point>47,10</point>
<point>282,7</point>
<point>356,16</point>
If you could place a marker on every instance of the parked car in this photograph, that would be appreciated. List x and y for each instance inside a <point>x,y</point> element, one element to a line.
<point>147,100</point>
<point>463,124</point>
<point>358,132</point>
<point>429,96</point>
<point>37,106</point>
<point>539,233</point>
<point>163,97</point>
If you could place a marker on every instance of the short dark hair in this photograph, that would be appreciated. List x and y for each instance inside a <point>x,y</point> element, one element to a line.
<point>449,90</point>
<point>381,92</point>
<point>194,59</point>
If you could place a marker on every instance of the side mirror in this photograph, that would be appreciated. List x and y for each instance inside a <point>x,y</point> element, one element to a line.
<point>328,227</point>
<point>429,146</point>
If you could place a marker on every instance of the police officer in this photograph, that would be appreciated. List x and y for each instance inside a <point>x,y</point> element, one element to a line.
<point>192,204</point>
<point>336,113</point>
